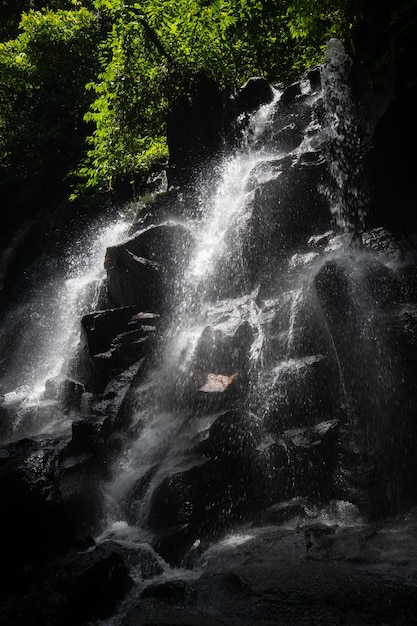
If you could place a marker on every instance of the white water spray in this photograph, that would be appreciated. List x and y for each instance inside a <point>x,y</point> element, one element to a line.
<point>343,140</point>
<point>43,331</point>
<point>164,441</point>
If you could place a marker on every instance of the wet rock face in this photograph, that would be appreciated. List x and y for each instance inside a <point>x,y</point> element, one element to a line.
<point>239,477</point>
<point>194,129</point>
<point>223,348</point>
<point>82,585</point>
<point>363,306</point>
<point>316,425</point>
<point>141,270</point>
<point>36,523</point>
<point>253,94</point>
<point>213,495</point>
<point>113,340</point>
<point>295,389</point>
<point>66,391</point>
<point>284,212</point>
<point>303,392</point>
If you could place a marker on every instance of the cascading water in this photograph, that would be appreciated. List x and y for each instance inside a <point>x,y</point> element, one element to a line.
<point>40,335</point>
<point>167,434</point>
<point>249,413</point>
<point>253,370</point>
<point>278,358</point>
<point>345,145</point>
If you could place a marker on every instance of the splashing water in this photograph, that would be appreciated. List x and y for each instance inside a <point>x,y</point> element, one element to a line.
<point>231,194</point>
<point>42,333</point>
<point>345,145</point>
<point>166,425</point>
<point>153,452</point>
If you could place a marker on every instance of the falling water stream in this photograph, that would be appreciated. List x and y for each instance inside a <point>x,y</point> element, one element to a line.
<point>295,386</point>
<point>153,452</point>
<point>166,428</point>
<point>40,336</point>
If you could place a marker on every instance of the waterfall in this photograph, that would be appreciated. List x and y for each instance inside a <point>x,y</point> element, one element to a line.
<point>240,403</point>
<point>217,294</point>
<point>164,441</point>
<point>345,144</point>
<point>40,335</point>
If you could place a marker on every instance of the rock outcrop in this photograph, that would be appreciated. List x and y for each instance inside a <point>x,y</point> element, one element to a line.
<point>278,383</point>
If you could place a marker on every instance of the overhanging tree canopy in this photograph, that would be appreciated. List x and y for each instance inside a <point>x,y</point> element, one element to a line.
<point>91,82</point>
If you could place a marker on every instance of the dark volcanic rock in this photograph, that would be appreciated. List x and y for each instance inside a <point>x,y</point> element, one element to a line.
<point>312,457</point>
<point>194,129</point>
<point>141,270</point>
<point>35,522</point>
<point>112,341</point>
<point>223,347</point>
<point>255,92</point>
<point>301,392</point>
<point>211,496</point>
<point>283,213</point>
<point>77,588</point>
<point>68,392</point>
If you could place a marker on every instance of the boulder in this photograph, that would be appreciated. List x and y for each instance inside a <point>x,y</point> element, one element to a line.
<point>112,341</point>
<point>89,433</point>
<point>80,482</point>
<point>351,296</point>
<point>217,371</point>
<point>141,270</point>
<point>83,469</point>
<point>98,329</point>
<point>293,326</point>
<point>233,436</point>
<point>283,213</point>
<point>138,558</point>
<point>220,491</point>
<point>301,391</point>
<point>301,463</point>
<point>66,391</point>
<point>133,280</point>
<point>254,93</point>
<point>194,129</point>
<point>312,458</point>
<point>373,341</point>
<point>343,314</point>
<point>177,512</point>
<point>78,587</point>
<point>297,114</point>
<point>36,523</point>
<point>92,585</point>
<point>290,96</point>
<point>223,348</point>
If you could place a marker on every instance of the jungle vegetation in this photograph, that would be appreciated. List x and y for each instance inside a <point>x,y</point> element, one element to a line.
<point>85,85</point>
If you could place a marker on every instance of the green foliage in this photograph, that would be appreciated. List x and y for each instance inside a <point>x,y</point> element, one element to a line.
<point>128,113</point>
<point>11,13</point>
<point>152,49</point>
<point>119,65</point>
<point>43,73</point>
<point>312,23</point>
